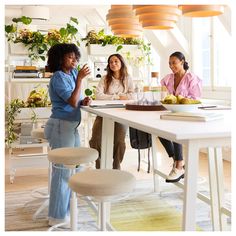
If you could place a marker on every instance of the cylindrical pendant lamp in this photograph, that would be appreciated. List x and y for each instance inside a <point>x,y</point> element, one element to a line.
<point>123,22</point>
<point>201,10</point>
<point>157,16</point>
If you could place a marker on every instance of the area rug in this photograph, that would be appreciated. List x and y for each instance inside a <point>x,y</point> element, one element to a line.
<point>143,210</point>
<point>145,213</point>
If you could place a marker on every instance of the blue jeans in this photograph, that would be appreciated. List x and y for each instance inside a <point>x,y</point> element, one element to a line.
<point>173,149</point>
<point>60,133</point>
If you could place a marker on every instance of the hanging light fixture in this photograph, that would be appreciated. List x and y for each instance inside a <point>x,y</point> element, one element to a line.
<point>123,22</point>
<point>201,10</point>
<point>36,12</point>
<point>157,16</point>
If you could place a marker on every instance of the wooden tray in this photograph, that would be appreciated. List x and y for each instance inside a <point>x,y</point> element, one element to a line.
<point>148,107</point>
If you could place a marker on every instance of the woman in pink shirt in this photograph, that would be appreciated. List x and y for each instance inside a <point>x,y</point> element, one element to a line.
<point>184,83</point>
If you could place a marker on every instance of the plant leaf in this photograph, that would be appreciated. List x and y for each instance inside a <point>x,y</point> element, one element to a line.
<point>119,48</point>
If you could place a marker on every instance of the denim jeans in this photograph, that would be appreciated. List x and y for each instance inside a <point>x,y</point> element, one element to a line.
<point>173,149</point>
<point>60,133</point>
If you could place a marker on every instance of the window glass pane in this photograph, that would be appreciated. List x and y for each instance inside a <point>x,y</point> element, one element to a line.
<point>201,51</point>
<point>222,54</point>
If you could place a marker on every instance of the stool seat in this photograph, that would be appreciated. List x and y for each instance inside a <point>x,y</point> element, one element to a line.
<point>102,182</point>
<point>38,133</point>
<point>72,155</point>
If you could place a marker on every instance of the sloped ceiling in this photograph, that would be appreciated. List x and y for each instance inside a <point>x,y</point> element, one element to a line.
<point>60,15</point>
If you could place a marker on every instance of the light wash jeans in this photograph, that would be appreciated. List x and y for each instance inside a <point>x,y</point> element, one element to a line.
<point>60,133</point>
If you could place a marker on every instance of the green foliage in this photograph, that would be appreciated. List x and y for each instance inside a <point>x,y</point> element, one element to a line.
<point>38,43</point>
<point>90,92</point>
<point>106,39</point>
<point>38,97</point>
<point>12,109</point>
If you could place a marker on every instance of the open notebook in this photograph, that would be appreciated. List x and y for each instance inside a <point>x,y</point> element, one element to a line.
<point>192,116</point>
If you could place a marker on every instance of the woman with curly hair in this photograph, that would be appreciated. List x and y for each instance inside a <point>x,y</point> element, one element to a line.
<point>61,128</point>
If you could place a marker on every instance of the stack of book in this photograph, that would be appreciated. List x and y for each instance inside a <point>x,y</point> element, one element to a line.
<point>188,116</point>
<point>26,72</point>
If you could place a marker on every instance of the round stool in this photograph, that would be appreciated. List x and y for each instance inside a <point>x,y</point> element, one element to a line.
<point>40,195</point>
<point>104,185</point>
<point>70,157</point>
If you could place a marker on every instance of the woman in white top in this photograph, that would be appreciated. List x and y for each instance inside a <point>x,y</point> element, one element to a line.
<point>115,85</point>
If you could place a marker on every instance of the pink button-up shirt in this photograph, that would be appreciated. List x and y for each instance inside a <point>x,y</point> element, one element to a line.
<point>190,85</point>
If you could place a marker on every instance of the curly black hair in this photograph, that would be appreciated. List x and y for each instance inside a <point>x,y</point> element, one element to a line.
<point>57,52</point>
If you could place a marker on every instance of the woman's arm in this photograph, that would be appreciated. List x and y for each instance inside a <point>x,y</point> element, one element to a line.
<point>100,92</point>
<point>129,87</point>
<point>75,96</point>
<point>195,90</point>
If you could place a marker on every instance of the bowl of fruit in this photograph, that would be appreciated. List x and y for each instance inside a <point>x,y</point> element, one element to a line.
<point>180,104</point>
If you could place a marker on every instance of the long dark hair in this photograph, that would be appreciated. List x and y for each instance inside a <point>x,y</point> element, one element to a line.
<point>57,52</point>
<point>123,71</point>
<point>181,57</point>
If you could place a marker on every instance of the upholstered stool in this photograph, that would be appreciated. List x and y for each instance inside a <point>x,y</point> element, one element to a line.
<point>39,194</point>
<point>70,157</point>
<point>104,185</point>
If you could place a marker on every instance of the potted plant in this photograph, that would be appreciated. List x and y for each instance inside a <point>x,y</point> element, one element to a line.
<point>137,47</point>
<point>36,42</point>
<point>37,106</point>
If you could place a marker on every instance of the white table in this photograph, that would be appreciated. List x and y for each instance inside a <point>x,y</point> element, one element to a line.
<point>194,135</point>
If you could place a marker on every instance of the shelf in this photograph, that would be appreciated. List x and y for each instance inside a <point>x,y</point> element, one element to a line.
<point>18,145</point>
<point>30,80</point>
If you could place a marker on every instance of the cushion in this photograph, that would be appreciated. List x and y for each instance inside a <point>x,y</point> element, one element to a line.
<point>102,182</point>
<point>72,155</point>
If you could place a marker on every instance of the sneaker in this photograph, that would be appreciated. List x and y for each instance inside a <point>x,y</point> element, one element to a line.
<point>59,223</point>
<point>175,175</point>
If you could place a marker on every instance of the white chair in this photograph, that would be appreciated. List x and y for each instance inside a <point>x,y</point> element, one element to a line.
<point>71,157</point>
<point>104,186</point>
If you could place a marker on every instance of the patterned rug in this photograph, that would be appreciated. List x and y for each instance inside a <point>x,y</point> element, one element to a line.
<point>143,210</point>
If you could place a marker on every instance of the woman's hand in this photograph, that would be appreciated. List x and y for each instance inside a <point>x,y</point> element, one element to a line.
<point>83,72</point>
<point>86,101</point>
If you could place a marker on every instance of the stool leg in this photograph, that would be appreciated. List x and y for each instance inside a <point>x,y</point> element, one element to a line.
<point>73,208</point>
<point>103,216</point>
<point>73,211</point>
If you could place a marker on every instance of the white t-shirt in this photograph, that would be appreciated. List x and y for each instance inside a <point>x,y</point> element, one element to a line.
<point>115,89</point>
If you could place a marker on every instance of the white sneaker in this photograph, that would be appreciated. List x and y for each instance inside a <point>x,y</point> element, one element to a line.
<point>59,223</point>
<point>175,175</point>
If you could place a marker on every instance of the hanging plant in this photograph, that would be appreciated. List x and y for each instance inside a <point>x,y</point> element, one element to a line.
<point>103,39</point>
<point>38,43</point>
<point>12,109</point>
<point>38,97</point>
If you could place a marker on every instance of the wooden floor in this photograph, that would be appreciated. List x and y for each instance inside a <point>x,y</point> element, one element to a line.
<point>33,178</point>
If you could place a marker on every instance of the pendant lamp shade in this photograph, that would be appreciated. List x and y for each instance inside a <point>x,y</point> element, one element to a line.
<point>157,16</point>
<point>201,10</point>
<point>36,12</point>
<point>123,22</point>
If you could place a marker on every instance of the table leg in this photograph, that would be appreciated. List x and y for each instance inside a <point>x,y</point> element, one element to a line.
<point>107,153</point>
<point>107,143</point>
<point>155,164</point>
<point>190,186</point>
<point>220,186</point>
<point>213,190</point>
